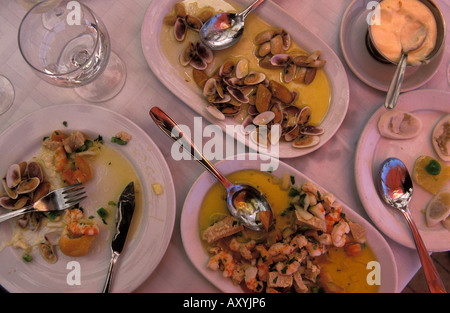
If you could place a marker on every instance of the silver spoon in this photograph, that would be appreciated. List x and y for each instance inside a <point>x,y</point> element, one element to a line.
<point>225,29</point>
<point>243,201</point>
<point>395,187</point>
<point>412,37</point>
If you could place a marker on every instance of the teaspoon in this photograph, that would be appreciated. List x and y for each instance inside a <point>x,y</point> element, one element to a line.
<point>225,29</point>
<point>412,37</point>
<point>395,187</point>
<point>243,201</point>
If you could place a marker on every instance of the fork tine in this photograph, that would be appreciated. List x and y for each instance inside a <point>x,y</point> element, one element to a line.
<point>73,202</point>
<point>70,188</point>
<point>74,194</point>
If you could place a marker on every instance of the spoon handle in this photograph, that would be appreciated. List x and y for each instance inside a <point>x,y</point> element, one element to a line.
<point>396,83</point>
<point>431,274</point>
<point>173,131</point>
<point>250,8</point>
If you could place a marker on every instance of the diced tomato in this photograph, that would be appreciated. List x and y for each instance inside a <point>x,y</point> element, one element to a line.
<point>82,171</point>
<point>353,249</point>
<point>69,177</point>
<point>58,135</point>
<point>60,159</point>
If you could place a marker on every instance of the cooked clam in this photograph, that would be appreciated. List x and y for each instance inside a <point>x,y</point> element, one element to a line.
<point>48,252</point>
<point>264,118</point>
<point>180,29</point>
<point>254,78</point>
<point>21,202</point>
<point>305,141</point>
<point>187,54</point>
<point>215,112</point>
<point>193,22</point>
<point>242,68</point>
<point>441,138</point>
<point>396,124</point>
<point>12,193</point>
<point>7,203</point>
<point>13,176</point>
<point>35,170</point>
<point>28,185</point>
<point>311,130</point>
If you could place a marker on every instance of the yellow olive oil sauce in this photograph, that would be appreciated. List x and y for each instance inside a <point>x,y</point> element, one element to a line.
<point>349,273</point>
<point>316,95</point>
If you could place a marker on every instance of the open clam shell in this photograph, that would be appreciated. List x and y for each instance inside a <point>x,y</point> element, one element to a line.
<point>441,138</point>
<point>264,118</point>
<point>28,185</point>
<point>305,141</point>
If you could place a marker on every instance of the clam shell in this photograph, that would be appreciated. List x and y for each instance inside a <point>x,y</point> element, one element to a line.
<point>289,72</point>
<point>259,136</point>
<point>311,130</point>
<point>204,53</point>
<point>180,29</point>
<point>227,68</point>
<point>304,116</point>
<point>305,141</point>
<point>214,111</point>
<point>310,75</point>
<point>264,118</point>
<point>12,193</point>
<point>35,170</point>
<point>237,94</point>
<point>210,87</point>
<point>254,78</point>
<point>193,22</point>
<point>48,252</point>
<point>242,68</point>
<point>286,40</point>
<point>7,203</point>
<point>28,185</point>
<point>13,176</point>
<point>281,59</point>
<point>264,36</point>
<point>396,124</point>
<point>187,54</point>
<point>441,138</point>
<point>198,63</point>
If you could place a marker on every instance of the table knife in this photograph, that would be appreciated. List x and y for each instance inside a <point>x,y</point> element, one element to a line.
<point>124,215</point>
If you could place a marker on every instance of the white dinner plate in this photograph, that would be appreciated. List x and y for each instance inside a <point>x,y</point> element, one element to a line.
<point>198,256</point>
<point>143,251</point>
<point>169,75</point>
<point>372,150</point>
<point>372,72</point>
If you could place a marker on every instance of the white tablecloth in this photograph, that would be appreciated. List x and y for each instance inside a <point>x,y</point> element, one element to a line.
<point>143,90</point>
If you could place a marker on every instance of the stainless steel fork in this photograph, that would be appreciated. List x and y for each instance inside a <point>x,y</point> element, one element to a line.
<point>56,200</point>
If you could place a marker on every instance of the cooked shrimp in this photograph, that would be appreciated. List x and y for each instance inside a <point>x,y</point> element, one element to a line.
<point>315,248</point>
<point>310,187</point>
<point>72,215</point>
<point>250,279</point>
<point>224,259</point>
<point>79,228</point>
<point>299,241</point>
<point>325,239</point>
<point>281,248</point>
<point>243,248</point>
<point>264,262</point>
<point>338,232</point>
<point>290,266</point>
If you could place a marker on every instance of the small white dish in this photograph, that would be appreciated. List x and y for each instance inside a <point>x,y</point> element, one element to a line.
<point>199,258</point>
<point>378,75</point>
<point>143,251</point>
<point>429,106</point>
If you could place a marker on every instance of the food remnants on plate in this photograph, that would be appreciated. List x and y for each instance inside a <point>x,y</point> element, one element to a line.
<point>430,172</point>
<point>265,80</point>
<point>311,246</point>
<point>66,159</point>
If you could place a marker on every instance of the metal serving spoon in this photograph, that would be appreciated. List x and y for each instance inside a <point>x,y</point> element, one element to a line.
<point>395,187</point>
<point>243,201</point>
<point>411,38</point>
<point>225,29</point>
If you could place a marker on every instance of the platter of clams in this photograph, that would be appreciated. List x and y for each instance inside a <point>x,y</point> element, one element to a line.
<point>417,132</point>
<point>272,91</point>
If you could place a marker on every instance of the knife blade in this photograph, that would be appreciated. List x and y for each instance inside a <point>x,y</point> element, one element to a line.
<point>124,216</point>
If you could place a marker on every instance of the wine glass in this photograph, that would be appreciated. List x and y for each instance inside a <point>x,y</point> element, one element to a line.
<point>67,45</point>
<point>6,94</point>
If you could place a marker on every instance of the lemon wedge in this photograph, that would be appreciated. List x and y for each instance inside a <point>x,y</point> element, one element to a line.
<point>438,209</point>
<point>431,174</point>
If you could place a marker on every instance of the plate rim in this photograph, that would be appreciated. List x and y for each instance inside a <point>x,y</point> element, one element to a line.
<point>340,94</point>
<point>407,240</point>
<point>170,191</point>
<point>225,285</point>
